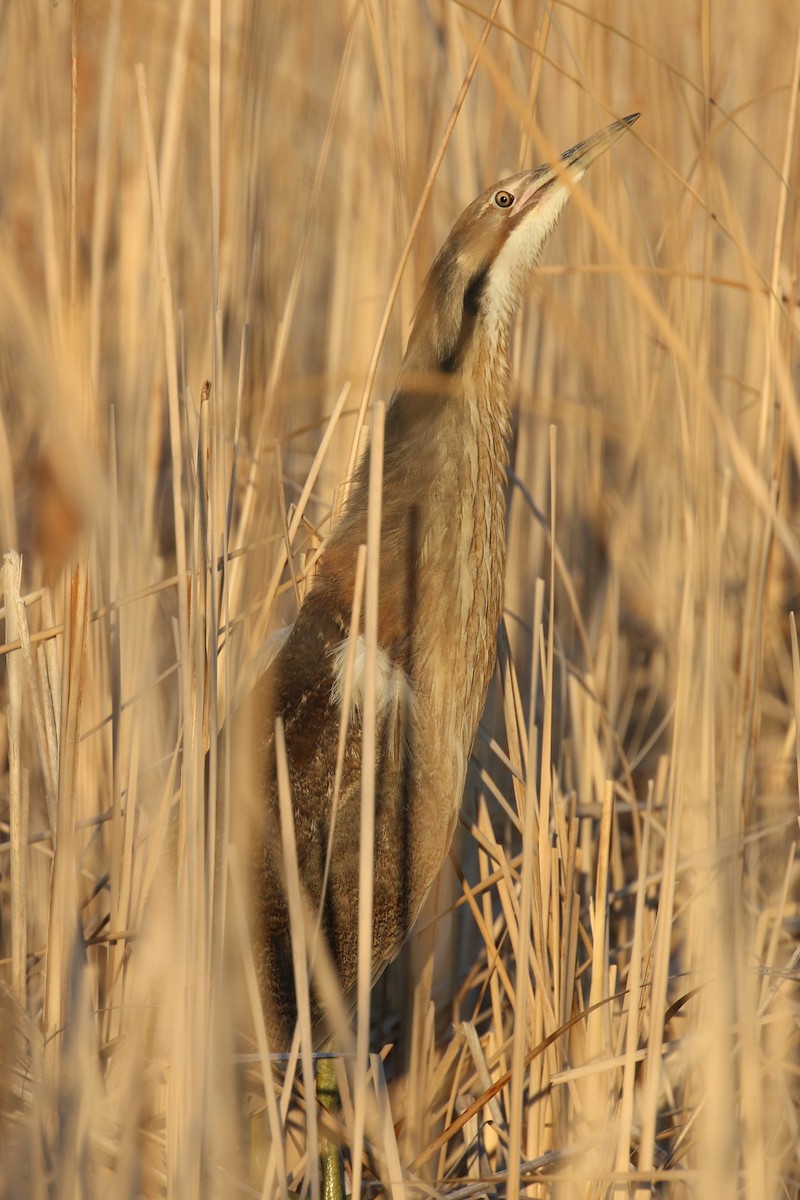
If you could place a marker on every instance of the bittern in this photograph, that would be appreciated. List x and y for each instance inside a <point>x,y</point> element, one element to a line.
<point>442,555</point>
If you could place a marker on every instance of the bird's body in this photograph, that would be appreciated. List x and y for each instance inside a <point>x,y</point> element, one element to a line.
<point>442,552</point>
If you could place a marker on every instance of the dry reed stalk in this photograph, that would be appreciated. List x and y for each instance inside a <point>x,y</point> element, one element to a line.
<point>368,760</point>
<point>18,792</point>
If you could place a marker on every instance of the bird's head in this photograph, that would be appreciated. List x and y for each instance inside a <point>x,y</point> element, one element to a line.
<point>494,244</point>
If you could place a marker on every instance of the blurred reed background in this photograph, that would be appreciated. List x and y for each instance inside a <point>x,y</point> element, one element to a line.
<point>606,1003</point>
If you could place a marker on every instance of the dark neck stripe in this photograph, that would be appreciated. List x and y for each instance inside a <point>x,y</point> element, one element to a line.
<point>471,304</point>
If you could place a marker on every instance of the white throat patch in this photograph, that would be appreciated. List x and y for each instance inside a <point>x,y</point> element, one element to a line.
<point>520,253</point>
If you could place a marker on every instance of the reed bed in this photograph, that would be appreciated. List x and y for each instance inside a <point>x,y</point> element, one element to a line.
<point>202,220</point>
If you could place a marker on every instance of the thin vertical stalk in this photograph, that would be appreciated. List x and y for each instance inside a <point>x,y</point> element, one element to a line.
<point>368,760</point>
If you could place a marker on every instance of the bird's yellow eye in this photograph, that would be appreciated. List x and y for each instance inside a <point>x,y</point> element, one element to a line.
<point>503,199</point>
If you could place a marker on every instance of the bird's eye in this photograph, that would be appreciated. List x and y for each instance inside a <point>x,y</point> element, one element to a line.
<point>503,199</point>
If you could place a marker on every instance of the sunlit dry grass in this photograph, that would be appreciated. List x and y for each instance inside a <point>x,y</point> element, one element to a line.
<point>601,996</point>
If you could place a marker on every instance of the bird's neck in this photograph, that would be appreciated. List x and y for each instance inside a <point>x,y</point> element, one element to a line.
<point>461,328</point>
<point>443,491</point>
<point>444,488</point>
<point>442,545</point>
<point>449,408</point>
<point>446,521</point>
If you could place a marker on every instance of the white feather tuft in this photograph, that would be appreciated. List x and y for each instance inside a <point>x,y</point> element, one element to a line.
<point>395,693</point>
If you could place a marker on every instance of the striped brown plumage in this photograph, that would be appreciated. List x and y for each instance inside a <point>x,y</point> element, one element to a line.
<point>440,602</point>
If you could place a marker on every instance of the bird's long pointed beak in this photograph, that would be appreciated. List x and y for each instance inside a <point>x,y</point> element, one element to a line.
<point>573,162</point>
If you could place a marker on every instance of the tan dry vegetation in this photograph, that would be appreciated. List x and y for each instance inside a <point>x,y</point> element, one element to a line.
<point>606,1004</point>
